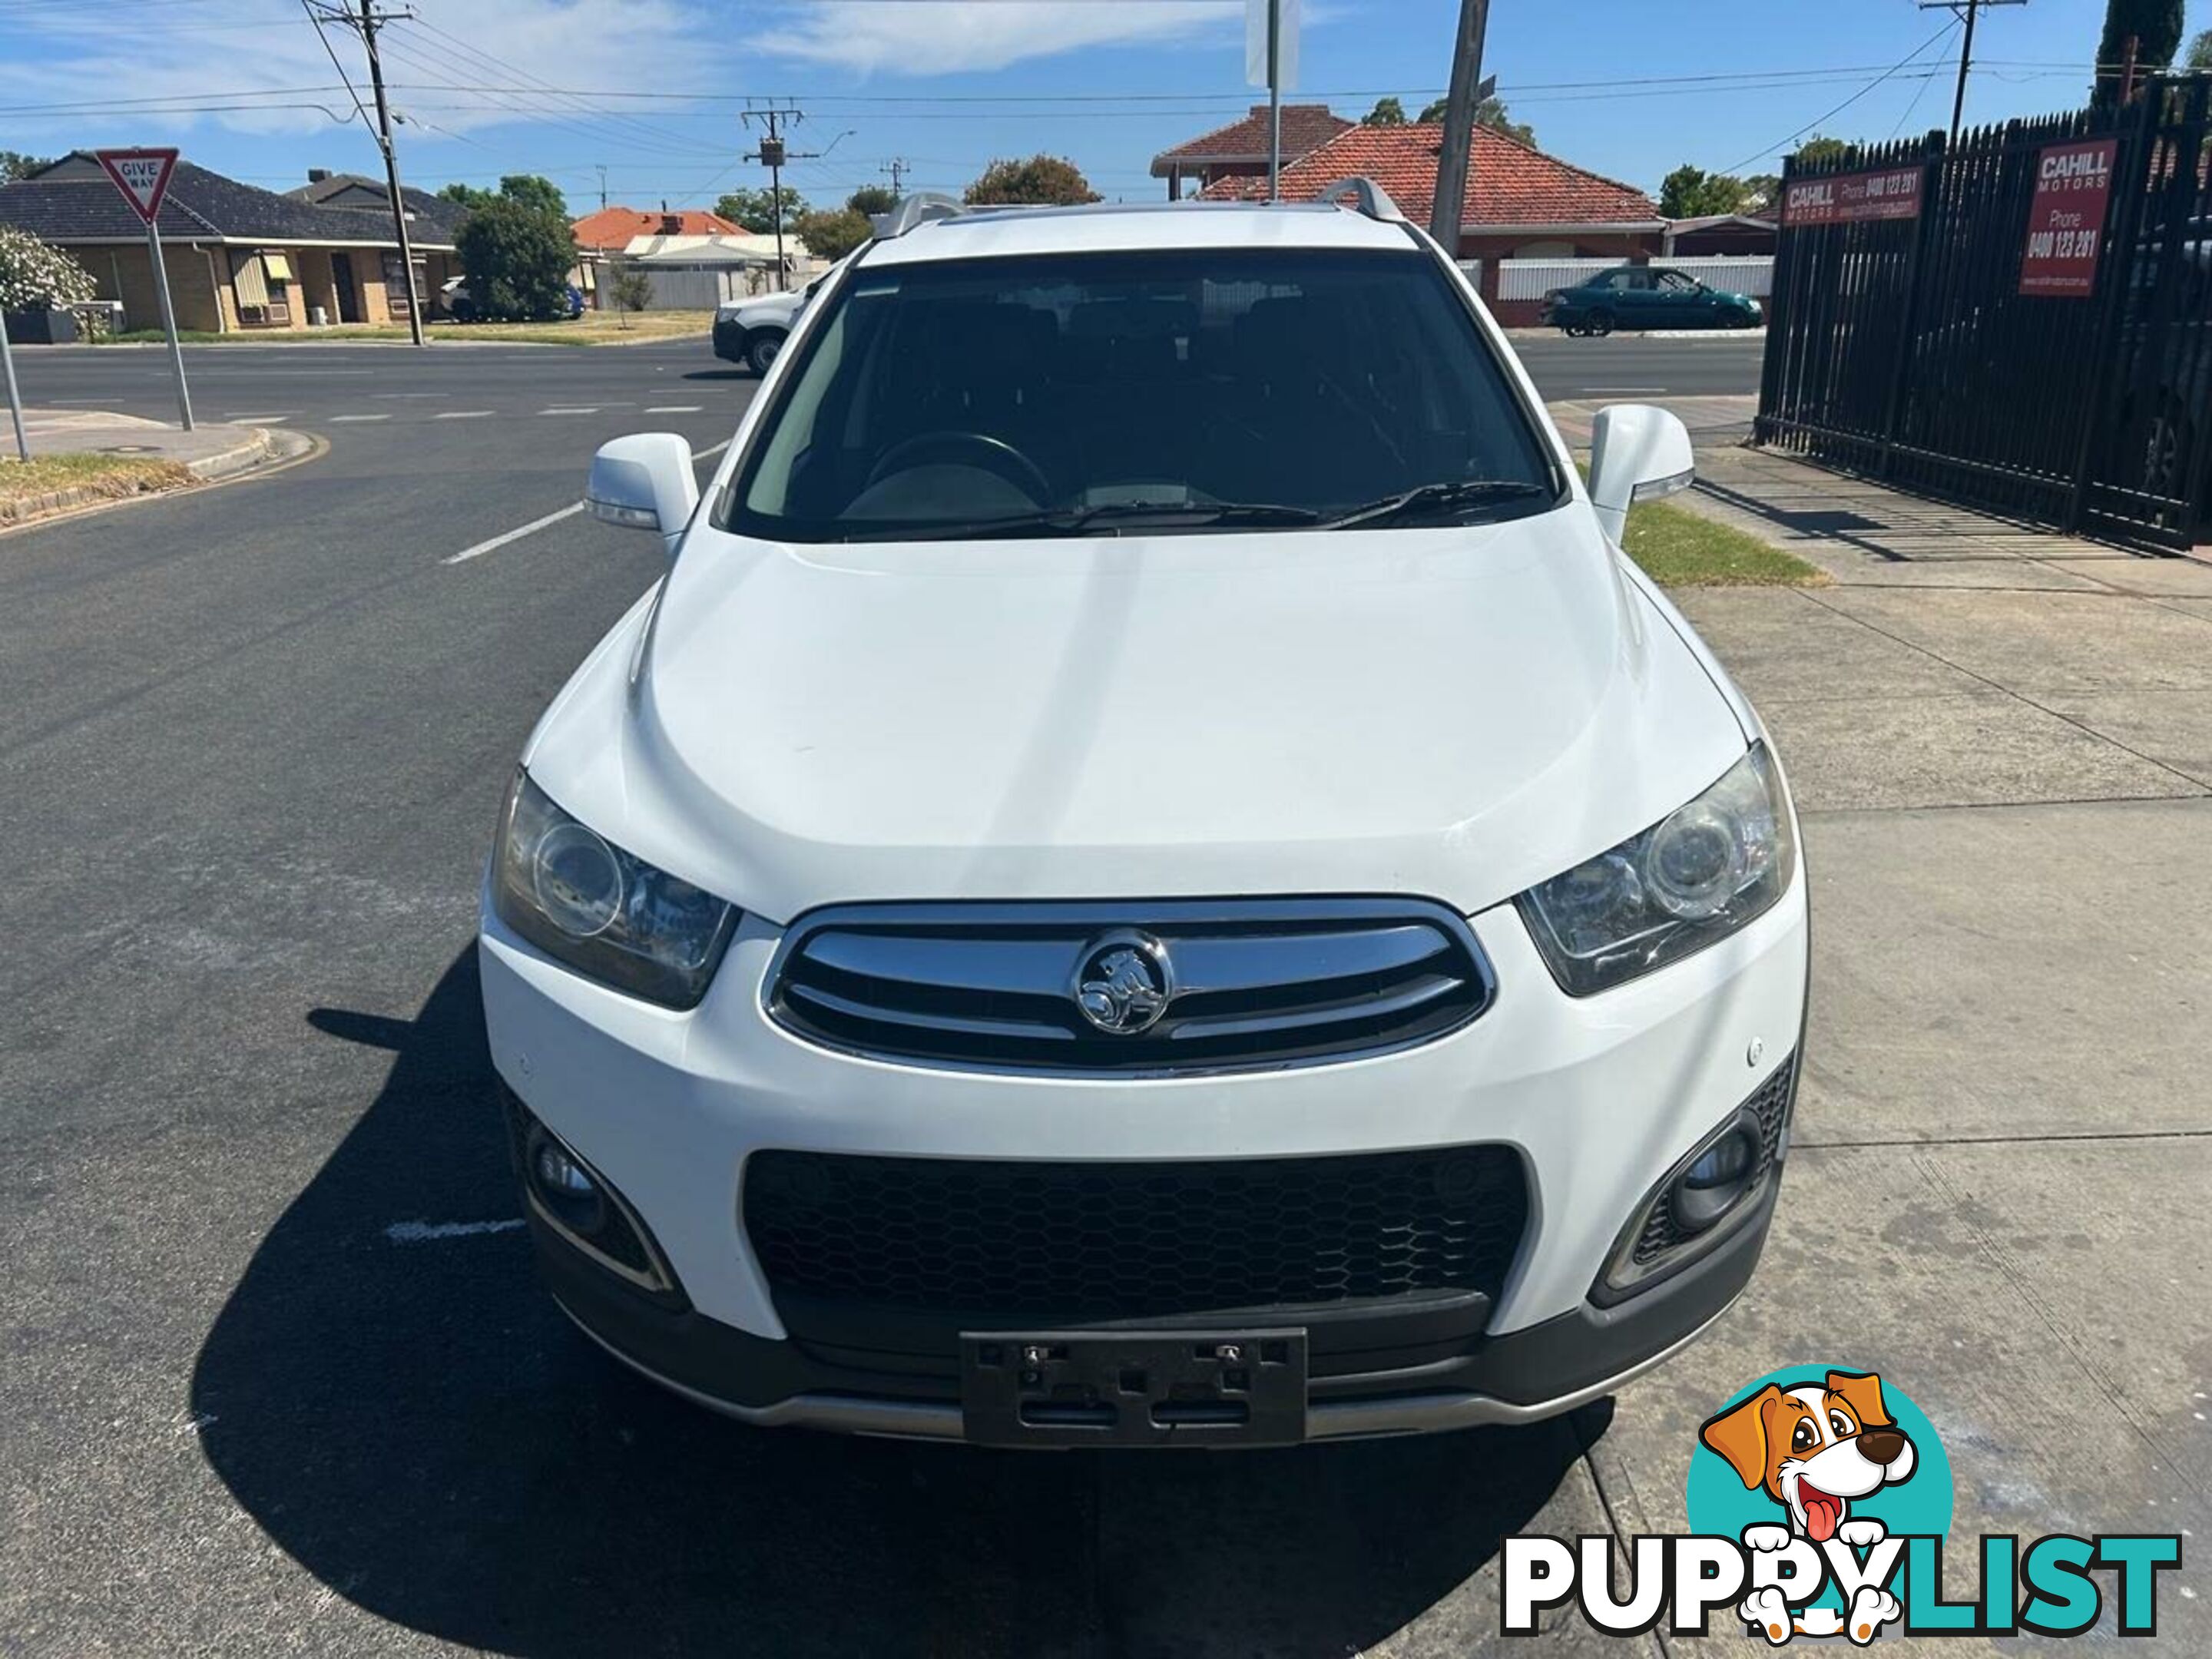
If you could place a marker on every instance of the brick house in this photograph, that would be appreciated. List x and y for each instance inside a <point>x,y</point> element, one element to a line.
<point>1239,150</point>
<point>1520,203</point>
<point>240,259</point>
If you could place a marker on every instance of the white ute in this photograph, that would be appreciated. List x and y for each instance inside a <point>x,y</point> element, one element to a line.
<point>1149,874</point>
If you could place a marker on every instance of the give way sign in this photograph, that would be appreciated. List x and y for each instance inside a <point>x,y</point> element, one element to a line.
<point>143,176</point>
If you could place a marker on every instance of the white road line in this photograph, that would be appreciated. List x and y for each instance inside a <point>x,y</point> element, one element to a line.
<point>339,420</point>
<point>423,1233</point>
<point>675,409</point>
<point>551,519</point>
<point>513,535</point>
<point>248,420</point>
<point>463,414</point>
<point>593,409</point>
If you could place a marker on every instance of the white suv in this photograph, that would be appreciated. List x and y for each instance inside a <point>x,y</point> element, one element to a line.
<point>1149,874</point>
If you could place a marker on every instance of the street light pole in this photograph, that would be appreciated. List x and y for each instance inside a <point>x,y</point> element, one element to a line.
<point>1459,126</point>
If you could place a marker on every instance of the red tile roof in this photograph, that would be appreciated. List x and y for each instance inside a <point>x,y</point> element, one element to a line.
<point>1304,126</point>
<point>1508,183</point>
<point>614,226</point>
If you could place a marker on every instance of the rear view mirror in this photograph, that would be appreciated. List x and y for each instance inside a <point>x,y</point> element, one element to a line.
<point>644,482</point>
<point>1637,453</point>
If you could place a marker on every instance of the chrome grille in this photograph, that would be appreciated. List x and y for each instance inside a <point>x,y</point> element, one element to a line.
<point>1253,983</point>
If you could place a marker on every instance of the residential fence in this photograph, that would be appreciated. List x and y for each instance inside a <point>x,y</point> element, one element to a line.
<point>1530,279</point>
<point>2020,321</point>
<point>697,290</point>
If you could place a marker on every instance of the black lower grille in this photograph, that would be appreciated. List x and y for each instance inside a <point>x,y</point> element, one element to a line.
<point>1662,1230</point>
<point>1070,1242</point>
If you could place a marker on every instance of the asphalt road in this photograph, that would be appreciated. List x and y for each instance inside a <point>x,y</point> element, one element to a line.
<point>278,1375</point>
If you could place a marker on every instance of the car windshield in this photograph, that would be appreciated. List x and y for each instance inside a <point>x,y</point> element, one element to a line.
<point>1160,392</point>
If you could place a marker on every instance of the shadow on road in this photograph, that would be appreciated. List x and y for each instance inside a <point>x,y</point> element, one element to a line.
<point>415,1423</point>
<point>719,375</point>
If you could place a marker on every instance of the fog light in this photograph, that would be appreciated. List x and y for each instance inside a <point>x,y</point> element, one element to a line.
<point>575,1200</point>
<point>1716,1178</point>
<point>564,1186</point>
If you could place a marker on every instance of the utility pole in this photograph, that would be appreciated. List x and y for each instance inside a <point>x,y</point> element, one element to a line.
<point>366,23</point>
<point>1459,126</point>
<point>773,153</point>
<point>898,167</point>
<point>1965,11</point>
<point>603,184</point>
<point>1274,100</point>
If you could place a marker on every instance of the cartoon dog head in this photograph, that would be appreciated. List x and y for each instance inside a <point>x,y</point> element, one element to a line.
<point>1813,1448</point>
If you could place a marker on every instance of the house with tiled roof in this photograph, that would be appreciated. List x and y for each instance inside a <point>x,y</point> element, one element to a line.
<point>426,214</point>
<point>239,258</point>
<point>1240,150</point>
<point>611,229</point>
<point>1520,203</point>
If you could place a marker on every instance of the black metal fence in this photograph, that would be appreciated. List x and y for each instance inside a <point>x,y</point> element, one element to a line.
<point>1937,346</point>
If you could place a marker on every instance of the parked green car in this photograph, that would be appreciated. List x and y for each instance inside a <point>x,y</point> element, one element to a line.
<point>1646,296</point>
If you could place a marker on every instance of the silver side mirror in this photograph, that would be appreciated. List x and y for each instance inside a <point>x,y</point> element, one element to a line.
<point>1637,453</point>
<point>644,482</point>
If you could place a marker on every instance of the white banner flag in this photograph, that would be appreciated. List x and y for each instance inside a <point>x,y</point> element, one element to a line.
<point>1286,47</point>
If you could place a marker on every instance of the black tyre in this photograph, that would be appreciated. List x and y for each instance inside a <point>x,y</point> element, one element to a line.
<point>761,352</point>
<point>1599,323</point>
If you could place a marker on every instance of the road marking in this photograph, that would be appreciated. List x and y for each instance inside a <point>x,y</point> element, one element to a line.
<point>244,420</point>
<point>463,414</point>
<point>423,1233</point>
<point>338,419</point>
<point>414,394</point>
<point>550,519</point>
<point>513,535</point>
<point>675,409</point>
<point>593,409</point>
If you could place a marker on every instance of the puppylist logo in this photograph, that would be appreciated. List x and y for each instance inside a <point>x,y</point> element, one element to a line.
<point>1819,1501</point>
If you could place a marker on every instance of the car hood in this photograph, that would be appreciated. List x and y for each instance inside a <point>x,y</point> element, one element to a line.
<point>1455,714</point>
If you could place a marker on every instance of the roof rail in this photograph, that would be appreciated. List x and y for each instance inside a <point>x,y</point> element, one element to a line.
<point>918,209</point>
<point>1369,197</point>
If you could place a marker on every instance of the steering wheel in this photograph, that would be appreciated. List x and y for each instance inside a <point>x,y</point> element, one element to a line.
<point>993,455</point>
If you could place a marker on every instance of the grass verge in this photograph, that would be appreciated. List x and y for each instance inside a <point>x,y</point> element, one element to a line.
<point>1679,549</point>
<point>54,484</point>
<point>592,328</point>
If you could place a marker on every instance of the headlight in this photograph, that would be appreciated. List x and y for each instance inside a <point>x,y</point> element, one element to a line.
<point>1696,876</point>
<point>608,914</point>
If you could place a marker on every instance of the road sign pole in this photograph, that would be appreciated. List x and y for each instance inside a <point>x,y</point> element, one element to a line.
<point>169,323</point>
<point>14,398</point>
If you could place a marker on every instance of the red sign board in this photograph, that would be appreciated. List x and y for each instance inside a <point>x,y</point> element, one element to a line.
<point>2066,218</point>
<point>1849,199</point>
<point>143,176</point>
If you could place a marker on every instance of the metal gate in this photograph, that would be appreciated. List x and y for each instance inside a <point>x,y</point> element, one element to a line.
<point>1915,335</point>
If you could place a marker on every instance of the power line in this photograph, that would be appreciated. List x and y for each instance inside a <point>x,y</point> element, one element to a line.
<point>1814,124</point>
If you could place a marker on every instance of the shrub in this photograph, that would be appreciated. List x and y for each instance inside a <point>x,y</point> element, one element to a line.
<point>517,258</point>
<point>36,277</point>
<point>630,289</point>
<point>834,234</point>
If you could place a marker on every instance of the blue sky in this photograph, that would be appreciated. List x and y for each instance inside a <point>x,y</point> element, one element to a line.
<point>486,87</point>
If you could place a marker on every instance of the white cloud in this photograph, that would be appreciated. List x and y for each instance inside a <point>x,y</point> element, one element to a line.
<point>946,37</point>
<point>253,52</point>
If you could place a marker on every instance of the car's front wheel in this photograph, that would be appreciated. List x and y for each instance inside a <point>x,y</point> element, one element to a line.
<point>1599,323</point>
<point>761,353</point>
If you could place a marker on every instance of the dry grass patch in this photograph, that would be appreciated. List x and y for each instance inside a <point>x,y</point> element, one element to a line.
<point>53,484</point>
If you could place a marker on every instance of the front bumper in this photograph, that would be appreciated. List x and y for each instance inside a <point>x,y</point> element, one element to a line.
<point>1597,1099</point>
<point>730,340</point>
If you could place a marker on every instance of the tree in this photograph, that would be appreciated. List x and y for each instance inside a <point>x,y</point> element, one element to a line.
<point>517,258</point>
<point>1691,192</point>
<point>1761,190</point>
<point>1490,112</point>
<point>833,232</point>
<point>2154,26</point>
<point>1386,113</point>
<point>1041,180</point>
<point>755,208</point>
<point>533,191</point>
<point>36,277</point>
<point>871,199</point>
<point>539,194</point>
<point>2200,52</point>
<point>630,289</point>
<point>15,165</point>
<point>1817,151</point>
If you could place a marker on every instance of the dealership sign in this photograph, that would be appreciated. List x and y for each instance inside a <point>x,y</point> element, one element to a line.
<point>2066,218</point>
<point>1846,198</point>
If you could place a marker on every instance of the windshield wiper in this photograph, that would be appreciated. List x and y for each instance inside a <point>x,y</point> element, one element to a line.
<point>1442,497</point>
<point>1108,518</point>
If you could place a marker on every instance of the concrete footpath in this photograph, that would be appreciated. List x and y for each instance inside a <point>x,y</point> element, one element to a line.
<point>2001,743</point>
